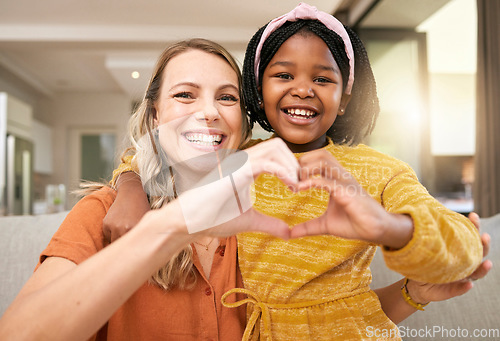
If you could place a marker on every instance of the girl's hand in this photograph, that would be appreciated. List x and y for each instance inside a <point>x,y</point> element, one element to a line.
<point>427,292</point>
<point>129,207</point>
<point>351,212</point>
<point>222,205</point>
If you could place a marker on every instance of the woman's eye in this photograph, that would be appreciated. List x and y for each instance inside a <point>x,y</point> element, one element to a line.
<point>186,95</point>
<point>230,98</point>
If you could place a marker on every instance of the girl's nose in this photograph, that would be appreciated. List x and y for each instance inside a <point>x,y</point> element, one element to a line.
<point>302,89</point>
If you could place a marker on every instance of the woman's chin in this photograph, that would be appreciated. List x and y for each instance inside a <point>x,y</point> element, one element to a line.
<point>202,163</point>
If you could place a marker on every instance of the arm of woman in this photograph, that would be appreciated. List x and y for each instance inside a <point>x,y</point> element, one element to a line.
<point>65,301</point>
<point>85,296</point>
<point>132,203</point>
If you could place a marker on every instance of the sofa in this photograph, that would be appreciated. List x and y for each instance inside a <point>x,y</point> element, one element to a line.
<point>22,238</point>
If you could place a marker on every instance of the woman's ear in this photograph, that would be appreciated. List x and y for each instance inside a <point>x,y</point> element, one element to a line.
<point>343,104</point>
<point>154,112</point>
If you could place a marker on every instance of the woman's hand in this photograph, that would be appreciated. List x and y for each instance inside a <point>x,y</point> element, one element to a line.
<point>129,207</point>
<point>351,212</point>
<point>221,204</point>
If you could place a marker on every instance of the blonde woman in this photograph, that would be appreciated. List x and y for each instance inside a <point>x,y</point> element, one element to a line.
<point>145,286</point>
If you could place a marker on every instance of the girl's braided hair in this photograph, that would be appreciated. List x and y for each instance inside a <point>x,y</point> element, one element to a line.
<point>360,115</point>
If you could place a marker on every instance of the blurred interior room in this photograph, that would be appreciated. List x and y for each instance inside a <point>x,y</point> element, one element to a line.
<point>72,71</point>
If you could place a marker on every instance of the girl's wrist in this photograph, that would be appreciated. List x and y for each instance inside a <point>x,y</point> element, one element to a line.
<point>398,231</point>
<point>412,290</point>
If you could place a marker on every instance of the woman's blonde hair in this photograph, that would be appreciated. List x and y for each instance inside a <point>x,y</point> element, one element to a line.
<point>158,180</point>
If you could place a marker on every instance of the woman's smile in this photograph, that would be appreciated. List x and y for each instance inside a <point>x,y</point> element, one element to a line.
<point>205,140</point>
<point>199,108</point>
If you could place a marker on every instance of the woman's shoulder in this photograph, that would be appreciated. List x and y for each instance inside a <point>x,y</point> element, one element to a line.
<point>80,234</point>
<point>97,197</point>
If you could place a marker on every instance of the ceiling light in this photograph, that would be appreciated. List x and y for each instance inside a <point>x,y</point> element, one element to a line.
<point>135,74</point>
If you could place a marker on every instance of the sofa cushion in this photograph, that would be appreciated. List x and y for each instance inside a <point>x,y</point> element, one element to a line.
<point>22,239</point>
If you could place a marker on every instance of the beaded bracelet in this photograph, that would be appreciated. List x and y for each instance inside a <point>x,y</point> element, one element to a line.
<point>409,300</point>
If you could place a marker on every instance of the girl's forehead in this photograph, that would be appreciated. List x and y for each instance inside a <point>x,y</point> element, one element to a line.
<point>305,38</point>
<point>305,45</point>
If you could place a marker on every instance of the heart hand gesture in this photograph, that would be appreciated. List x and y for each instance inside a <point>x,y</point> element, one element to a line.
<point>351,212</point>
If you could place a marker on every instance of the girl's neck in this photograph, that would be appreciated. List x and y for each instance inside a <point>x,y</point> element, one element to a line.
<point>307,147</point>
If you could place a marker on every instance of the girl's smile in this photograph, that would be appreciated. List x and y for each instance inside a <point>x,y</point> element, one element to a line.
<point>302,92</point>
<point>301,114</point>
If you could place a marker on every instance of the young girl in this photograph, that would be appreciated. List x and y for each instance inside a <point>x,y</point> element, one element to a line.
<point>308,79</point>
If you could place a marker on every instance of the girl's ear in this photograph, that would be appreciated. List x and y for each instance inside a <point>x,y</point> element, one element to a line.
<point>343,104</point>
<point>259,97</point>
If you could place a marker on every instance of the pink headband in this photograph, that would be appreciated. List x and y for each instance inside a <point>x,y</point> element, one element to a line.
<point>305,11</point>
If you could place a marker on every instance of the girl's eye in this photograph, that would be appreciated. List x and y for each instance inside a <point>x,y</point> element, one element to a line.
<point>183,94</point>
<point>322,80</point>
<point>284,76</point>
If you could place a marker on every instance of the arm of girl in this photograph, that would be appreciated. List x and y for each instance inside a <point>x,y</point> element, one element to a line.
<point>130,205</point>
<point>397,309</point>
<point>422,239</point>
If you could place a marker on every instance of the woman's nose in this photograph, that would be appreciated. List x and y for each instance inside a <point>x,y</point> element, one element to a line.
<point>209,113</point>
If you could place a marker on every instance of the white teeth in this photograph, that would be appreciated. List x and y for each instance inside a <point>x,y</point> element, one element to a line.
<point>300,113</point>
<point>204,139</point>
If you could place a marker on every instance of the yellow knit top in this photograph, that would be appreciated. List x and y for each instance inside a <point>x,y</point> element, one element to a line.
<point>317,288</point>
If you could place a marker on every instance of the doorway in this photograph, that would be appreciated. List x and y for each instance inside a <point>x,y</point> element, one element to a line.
<point>92,156</point>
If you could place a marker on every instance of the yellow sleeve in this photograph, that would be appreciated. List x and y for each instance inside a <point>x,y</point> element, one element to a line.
<point>445,245</point>
<point>127,165</point>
